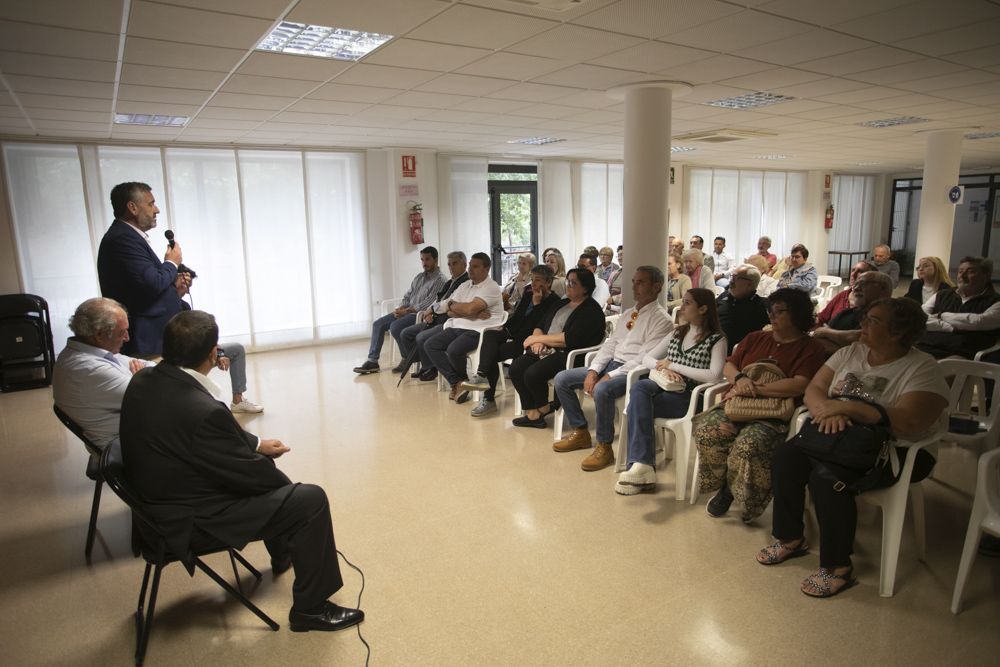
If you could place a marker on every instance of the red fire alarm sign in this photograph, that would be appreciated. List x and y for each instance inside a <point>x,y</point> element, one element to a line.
<point>409,166</point>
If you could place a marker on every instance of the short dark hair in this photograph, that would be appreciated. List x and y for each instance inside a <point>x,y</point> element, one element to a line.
<point>430,250</point>
<point>700,240</point>
<point>800,306</point>
<point>801,249</point>
<point>545,271</point>
<point>721,238</point>
<point>907,319</point>
<point>483,258</point>
<point>188,338</point>
<point>123,193</point>
<point>984,264</point>
<point>654,273</point>
<point>590,258</point>
<point>586,279</point>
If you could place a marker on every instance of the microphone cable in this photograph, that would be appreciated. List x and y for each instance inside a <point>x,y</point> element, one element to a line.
<point>358,626</point>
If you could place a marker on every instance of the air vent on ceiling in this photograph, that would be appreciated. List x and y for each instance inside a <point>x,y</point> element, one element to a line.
<point>724,135</point>
<point>550,5</point>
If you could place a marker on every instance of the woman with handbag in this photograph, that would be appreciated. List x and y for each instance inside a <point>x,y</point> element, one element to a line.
<point>734,446</point>
<point>693,354</point>
<point>888,378</point>
<point>577,321</point>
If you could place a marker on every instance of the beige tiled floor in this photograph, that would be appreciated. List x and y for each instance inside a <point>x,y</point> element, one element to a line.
<point>480,546</point>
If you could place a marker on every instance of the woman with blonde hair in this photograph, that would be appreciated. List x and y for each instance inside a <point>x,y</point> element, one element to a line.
<point>931,277</point>
<point>555,261</point>
<point>514,288</point>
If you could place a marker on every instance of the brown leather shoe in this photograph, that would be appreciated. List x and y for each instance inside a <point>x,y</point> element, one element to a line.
<point>578,438</point>
<point>459,394</point>
<point>600,458</point>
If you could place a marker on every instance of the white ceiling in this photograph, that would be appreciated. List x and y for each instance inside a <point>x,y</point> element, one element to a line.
<point>470,75</point>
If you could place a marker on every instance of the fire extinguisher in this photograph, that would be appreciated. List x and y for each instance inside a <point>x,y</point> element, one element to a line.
<point>828,220</point>
<point>416,223</point>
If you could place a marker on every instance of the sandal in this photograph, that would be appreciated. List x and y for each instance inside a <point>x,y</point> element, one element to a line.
<point>779,552</point>
<point>826,584</point>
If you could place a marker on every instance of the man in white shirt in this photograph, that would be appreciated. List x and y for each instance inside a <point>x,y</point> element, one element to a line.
<point>90,376</point>
<point>721,261</point>
<point>601,291</point>
<point>477,304</point>
<point>639,330</point>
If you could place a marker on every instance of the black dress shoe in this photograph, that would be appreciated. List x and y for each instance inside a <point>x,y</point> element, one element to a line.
<point>333,617</point>
<point>416,374</point>
<point>428,374</point>
<point>720,502</point>
<point>535,423</point>
<point>281,564</point>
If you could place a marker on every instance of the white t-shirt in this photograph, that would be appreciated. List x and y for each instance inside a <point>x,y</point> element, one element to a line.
<point>488,291</point>
<point>601,292</point>
<point>884,384</point>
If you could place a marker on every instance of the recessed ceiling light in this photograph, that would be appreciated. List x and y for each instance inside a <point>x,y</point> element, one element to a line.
<point>770,157</point>
<point>681,149</point>
<point>535,141</point>
<point>893,122</point>
<point>749,101</point>
<point>982,135</point>
<point>322,41</point>
<point>150,119</point>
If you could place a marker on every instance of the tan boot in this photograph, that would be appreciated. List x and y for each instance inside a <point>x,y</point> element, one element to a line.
<point>600,458</point>
<point>578,438</point>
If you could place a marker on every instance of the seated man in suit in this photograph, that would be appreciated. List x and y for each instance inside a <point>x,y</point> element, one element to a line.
<point>966,319</point>
<point>90,376</point>
<point>209,484</point>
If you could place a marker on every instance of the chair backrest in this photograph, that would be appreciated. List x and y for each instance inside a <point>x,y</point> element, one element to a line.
<point>989,480</point>
<point>968,375</point>
<point>610,322</point>
<point>145,533</point>
<point>77,431</point>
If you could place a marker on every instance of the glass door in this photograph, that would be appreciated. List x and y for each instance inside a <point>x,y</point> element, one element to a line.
<point>513,224</point>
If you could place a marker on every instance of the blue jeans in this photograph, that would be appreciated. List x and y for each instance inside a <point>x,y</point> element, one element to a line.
<point>647,402</point>
<point>605,395</point>
<point>447,350</point>
<point>237,356</point>
<point>391,324</point>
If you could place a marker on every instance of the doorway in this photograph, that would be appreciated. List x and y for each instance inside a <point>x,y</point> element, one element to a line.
<point>513,216</point>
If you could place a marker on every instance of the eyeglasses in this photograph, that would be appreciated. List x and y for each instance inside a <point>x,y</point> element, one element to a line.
<point>774,310</point>
<point>632,319</point>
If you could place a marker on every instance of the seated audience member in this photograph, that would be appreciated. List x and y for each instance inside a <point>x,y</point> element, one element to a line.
<point>801,275</point>
<point>614,304</point>
<point>590,250</point>
<point>514,288</point>
<point>721,262</point>
<point>884,368</point>
<point>845,328</point>
<point>698,243</point>
<point>677,282</point>
<point>694,354</point>
<point>474,306</point>
<point>932,277</point>
<point>90,376</point>
<point>964,320</point>
<point>420,295</point>
<point>601,291</point>
<point>209,484</point>
<point>883,264</point>
<point>508,342</point>
<point>841,300</point>
<point>734,457</point>
<point>694,267</point>
<point>636,334</point>
<point>577,321</point>
<point>676,247</point>
<point>767,282</point>
<point>764,250</point>
<point>607,266</point>
<point>741,310</point>
<point>430,320</point>
<point>555,261</point>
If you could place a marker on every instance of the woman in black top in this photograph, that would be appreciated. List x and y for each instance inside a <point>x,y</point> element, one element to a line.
<point>931,277</point>
<point>578,321</point>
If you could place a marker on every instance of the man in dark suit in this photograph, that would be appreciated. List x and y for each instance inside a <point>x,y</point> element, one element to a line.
<point>131,273</point>
<point>209,484</point>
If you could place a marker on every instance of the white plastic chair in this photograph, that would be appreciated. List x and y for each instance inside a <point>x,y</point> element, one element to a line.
<point>985,518</point>
<point>633,375</point>
<point>827,283</point>
<point>386,306</point>
<point>571,360</point>
<point>472,358</point>
<point>966,376</point>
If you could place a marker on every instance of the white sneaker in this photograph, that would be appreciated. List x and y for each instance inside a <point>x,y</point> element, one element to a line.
<point>246,406</point>
<point>638,474</point>
<point>484,408</point>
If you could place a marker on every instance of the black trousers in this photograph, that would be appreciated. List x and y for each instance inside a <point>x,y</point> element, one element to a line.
<point>497,346</point>
<point>301,527</point>
<point>530,376</point>
<point>836,513</point>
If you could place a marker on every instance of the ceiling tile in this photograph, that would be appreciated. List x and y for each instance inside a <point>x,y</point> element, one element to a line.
<point>533,92</point>
<point>185,56</point>
<point>187,25</point>
<point>345,93</point>
<point>213,111</point>
<point>267,85</point>
<point>653,18</point>
<point>393,17</point>
<point>483,28</point>
<point>307,68</point>
<point>804,47</point>
<point>573,43</point>
<point>385,77</point>
<point>773,78</point>
<point>591,76</point>
<point>714,69</point>
<point>29,38</point>
<point>652,56</point>
<point>926,67</point>
<point>328,107</point>
<point>56,67</point>
<point>147,75</point>
<point>969,77</point>
<point>548,111</point>
<point>589,99</point>
<point>919,18</point>
<point>169,95</point>
<point>738,31</point>
<point>66,114</point>
<point>464,84</point>
<point>129,106</point>
<point>264,9</point>
<point>415,98</point>
<point>512,66</point>
<point>45,86</point>
<point>978,35</point>
<point>819,88</point>
<point>484,105</point>
<point>251,101</point>
<point>825,13</point>
<point>386,111</point>
<point>64,102</point>
<point>425,55</point>
<point>221,124</point>
<point>859,61</point>
<point>93,15</point>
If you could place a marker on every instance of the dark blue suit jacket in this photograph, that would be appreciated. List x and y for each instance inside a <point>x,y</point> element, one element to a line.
<point>132,274</point>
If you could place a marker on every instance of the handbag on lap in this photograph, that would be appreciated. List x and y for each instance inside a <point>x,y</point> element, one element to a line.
<point>751,408</point>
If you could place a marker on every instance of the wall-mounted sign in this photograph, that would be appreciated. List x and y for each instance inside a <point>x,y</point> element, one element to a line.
<point>955,194</point>
<point>827,181</point>
<point>408,191</point>
<point>671,176</point>
<point>409,166</point>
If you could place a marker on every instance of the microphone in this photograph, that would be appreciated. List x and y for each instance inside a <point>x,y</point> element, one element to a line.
<point>170,238</point>
<point>180,269</point>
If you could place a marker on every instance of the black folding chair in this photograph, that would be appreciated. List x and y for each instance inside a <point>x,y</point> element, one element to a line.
<point>152,545</point>
<point>93,472</point>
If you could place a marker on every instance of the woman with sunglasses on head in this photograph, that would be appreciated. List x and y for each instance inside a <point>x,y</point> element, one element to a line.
<point>577,321</point>
<point>735,457</point>
<point>692,354</point>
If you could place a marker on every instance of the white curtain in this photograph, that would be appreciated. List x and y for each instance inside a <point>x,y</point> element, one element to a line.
<point>854,214</point>
<point>742,206</point>
<point>464,204</point>
<point>278,238</point>
<point>601,201</point>
<point>556,220</point>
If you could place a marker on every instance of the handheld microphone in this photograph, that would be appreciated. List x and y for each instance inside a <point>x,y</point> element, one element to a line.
<point>180,269</point>
<point>170,238</point>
